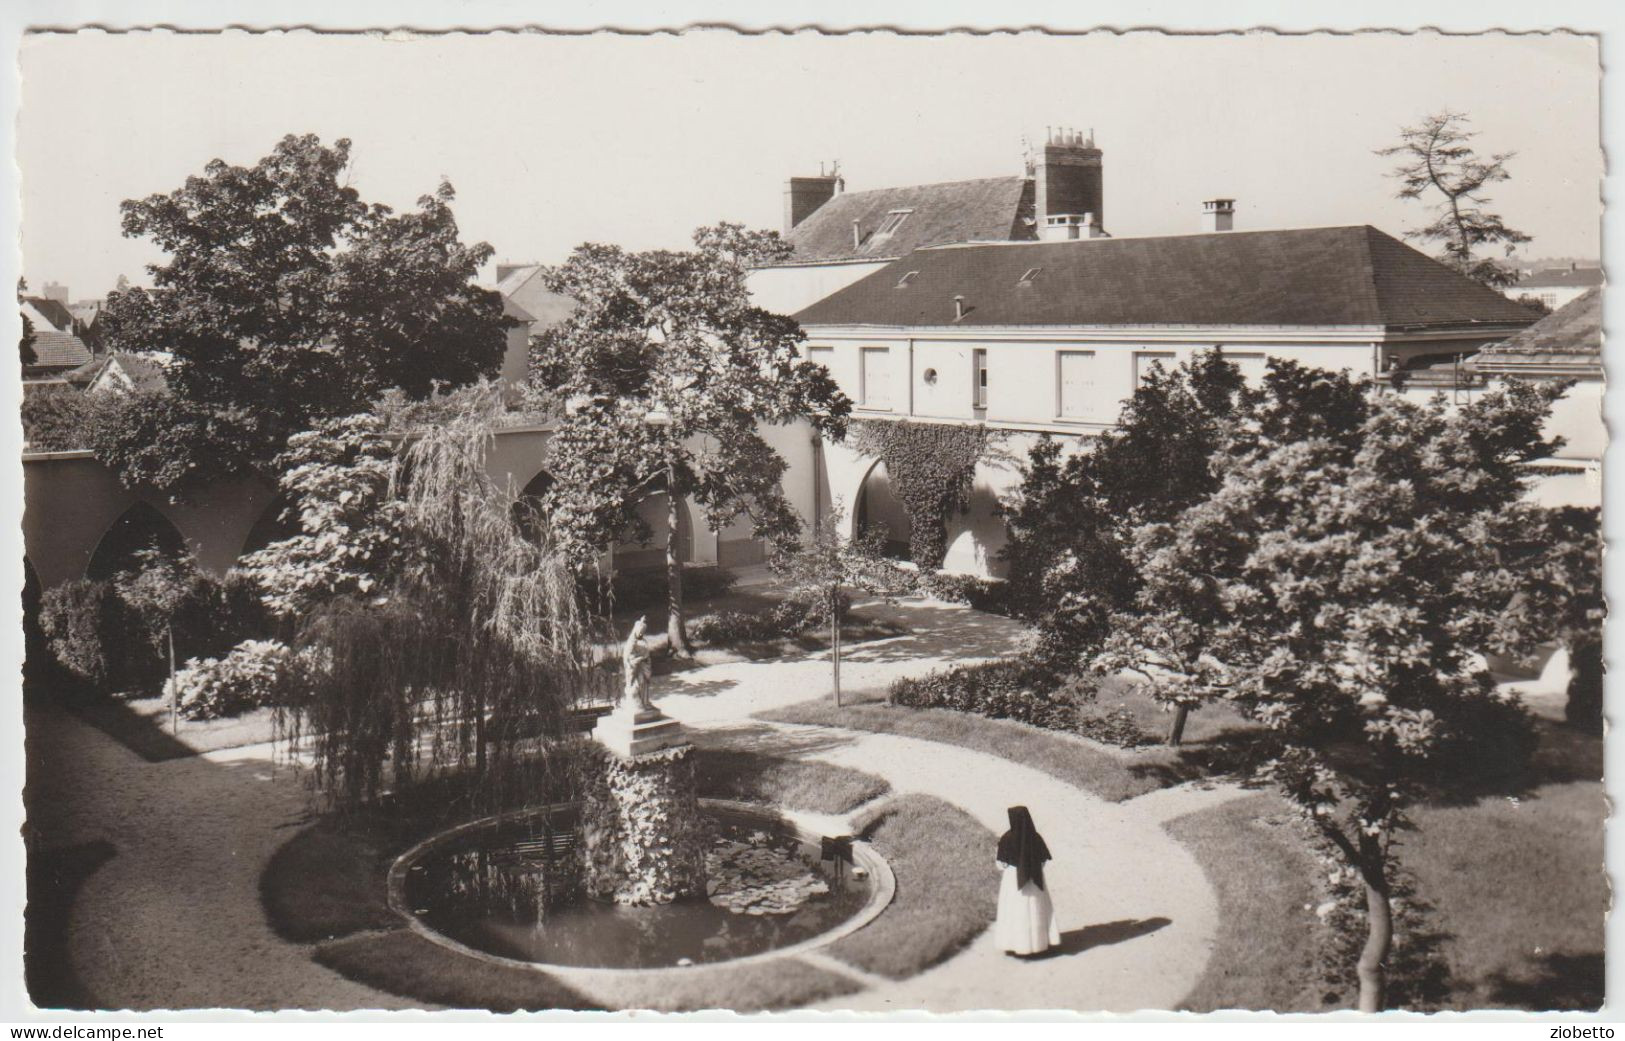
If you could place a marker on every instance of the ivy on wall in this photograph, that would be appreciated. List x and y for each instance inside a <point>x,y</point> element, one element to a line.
<point>931,467</point>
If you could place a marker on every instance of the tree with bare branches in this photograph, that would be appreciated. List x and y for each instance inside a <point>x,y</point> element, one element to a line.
<point>1436,157</point>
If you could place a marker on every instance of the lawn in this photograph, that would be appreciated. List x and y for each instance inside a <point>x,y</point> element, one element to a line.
<point>1514,877</point>
<point>1518,884</point>
<point>1261,870</point>
<point>1108,773</point>
<point>404,963</point>
<point>1210,725</point>
<point>794,784</point>
<point>944,899</point>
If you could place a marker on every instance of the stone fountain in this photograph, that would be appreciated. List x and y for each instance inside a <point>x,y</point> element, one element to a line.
<point>643,841</point>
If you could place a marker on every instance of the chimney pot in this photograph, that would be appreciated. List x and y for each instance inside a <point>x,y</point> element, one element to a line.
<point>959,308</point>
<point>1218,214</point>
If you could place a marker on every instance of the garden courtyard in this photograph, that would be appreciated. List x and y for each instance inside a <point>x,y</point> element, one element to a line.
<point>164,876</point>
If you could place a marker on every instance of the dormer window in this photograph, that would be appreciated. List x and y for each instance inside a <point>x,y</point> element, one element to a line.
<point>903,283</point>
<point>1027,279</point>
<point>891,223</point>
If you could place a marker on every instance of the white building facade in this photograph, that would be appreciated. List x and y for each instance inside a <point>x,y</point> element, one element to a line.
<point>1050,338</point>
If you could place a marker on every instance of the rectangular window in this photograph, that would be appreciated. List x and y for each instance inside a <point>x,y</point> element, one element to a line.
<point>874,377</point>
<point>1144,360</point>
<point>1075,384</point>
<point>824,356</point>
<point>979,377</point>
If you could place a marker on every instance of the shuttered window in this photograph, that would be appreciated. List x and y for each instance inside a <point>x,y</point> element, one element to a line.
<point>1075,382</point>
<point>874,377</point>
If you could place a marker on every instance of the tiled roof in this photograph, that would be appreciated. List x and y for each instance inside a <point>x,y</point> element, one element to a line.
<point>1306,277</point>
<point>994,209</point>
<point>58,350</point>
<point>1561,277</point>
<point>1570,338</point>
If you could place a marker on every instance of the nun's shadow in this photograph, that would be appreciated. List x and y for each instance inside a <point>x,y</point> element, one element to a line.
<point>1076,941</point>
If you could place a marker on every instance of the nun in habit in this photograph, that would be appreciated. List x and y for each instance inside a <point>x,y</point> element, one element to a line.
<point>1026,920</point>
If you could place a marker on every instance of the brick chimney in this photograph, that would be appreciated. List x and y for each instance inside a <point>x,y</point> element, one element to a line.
<point>803,195</point>
<point>1218,214</point>
<point>1070,197</point>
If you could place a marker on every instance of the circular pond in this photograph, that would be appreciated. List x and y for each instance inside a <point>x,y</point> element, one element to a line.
<point>509,889</point>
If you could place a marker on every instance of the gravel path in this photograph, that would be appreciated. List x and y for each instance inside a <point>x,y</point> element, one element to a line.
<point>174,919</point>
<point>1136,914</point>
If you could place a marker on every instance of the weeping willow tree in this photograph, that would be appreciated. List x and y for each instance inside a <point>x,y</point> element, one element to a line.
<point>463,654</point>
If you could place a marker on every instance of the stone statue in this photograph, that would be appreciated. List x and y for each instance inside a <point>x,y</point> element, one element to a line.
<point>635,667</point>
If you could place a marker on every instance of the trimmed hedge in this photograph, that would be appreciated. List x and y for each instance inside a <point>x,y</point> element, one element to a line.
<point>784,619</point>
<point>1019,690</point>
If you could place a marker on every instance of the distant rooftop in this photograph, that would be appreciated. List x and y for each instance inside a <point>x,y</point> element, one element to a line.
<point>1561,277</point>
<point>521,287</point>
<point>892,222</point>
<point>58,350</point>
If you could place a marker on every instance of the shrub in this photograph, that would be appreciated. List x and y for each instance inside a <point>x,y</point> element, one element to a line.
<point>984,594</point>
<point>1005,689</point>
<point>95,635</point>
<point>1116,727</point>
<point>251,676</point>
<point>112,634</point>
<point>786,618</point>
<point>730,627</point>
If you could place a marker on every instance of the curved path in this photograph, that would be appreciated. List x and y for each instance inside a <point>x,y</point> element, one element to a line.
<point>174,919</point>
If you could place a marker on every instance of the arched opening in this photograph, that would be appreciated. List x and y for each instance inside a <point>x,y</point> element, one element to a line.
<point>140,529</point>
<point>527,508</point>
<point>879,509</point>
<point>647,556</point>
<point>279,521</point>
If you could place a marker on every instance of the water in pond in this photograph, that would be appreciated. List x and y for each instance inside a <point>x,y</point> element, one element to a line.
<point>767,891</point>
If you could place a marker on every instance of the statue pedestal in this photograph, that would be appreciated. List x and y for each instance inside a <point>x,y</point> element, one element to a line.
<point>630,731</point>
<point>642,838</point>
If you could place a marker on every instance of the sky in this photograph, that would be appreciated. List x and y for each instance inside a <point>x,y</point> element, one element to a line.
<point>555,140</point>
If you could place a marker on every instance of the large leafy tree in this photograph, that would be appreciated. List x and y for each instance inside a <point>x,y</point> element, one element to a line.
<point>1168,645</point>
<point>1070,519</point>
<point>1346,589</point>
<point>666,369</point>
<point>287,299</point>
<point>1073,568</point>
<point>1439,163</point>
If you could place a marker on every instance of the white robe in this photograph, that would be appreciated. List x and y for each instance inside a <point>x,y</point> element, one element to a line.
<point>1026,919</point>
